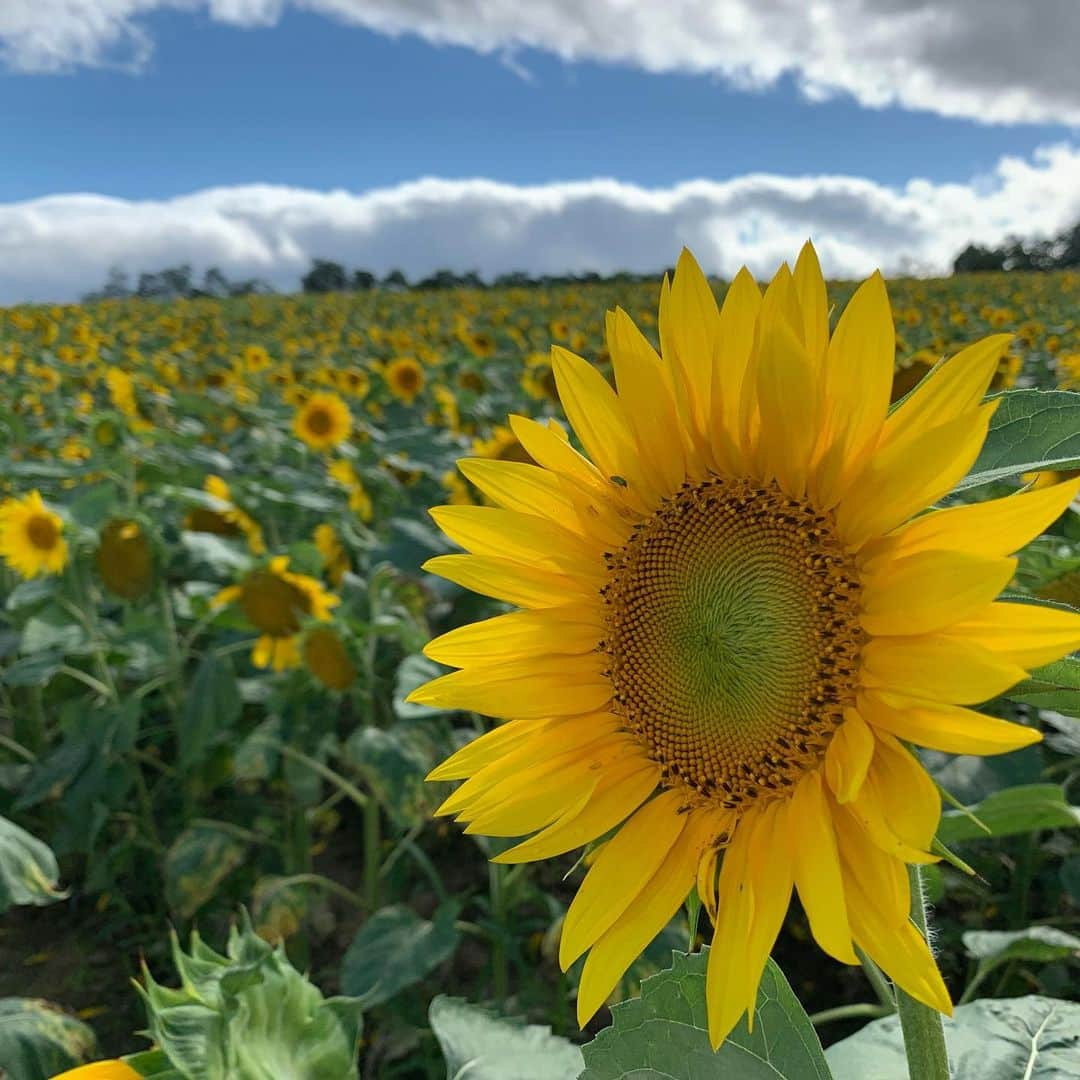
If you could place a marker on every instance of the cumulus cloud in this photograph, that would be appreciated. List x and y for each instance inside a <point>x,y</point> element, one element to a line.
<point>59,247</point>
<point>991,60</point>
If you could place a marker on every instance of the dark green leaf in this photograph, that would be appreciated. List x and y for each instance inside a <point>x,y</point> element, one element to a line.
<point>1055,686</point>
<point>663,1035</point>
<point>479,1045</point>
<point>34,670</point>
<point>1042,944</point>
<point>38,1039</point>
<point>396,948</point>
<point>28,870</point>
<point>1009,812</point>
<point>1032,431</point>
<point>413,672</point>
<point>200,858</point>
<point>1033,1038</point>
<point>213,705</point>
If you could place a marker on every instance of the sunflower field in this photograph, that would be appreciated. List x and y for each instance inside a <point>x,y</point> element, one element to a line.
<point>724,656</point>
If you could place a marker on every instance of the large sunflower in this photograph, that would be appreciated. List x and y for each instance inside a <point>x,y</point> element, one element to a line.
<point>733,617</point>
<point>32,537</point>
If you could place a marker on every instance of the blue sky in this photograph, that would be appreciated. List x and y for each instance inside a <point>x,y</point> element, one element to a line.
<point>311,103</point>
<point>255,135</point>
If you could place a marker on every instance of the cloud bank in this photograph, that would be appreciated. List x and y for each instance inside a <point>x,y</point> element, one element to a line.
<point>989,60</point>
<point>61,246</point>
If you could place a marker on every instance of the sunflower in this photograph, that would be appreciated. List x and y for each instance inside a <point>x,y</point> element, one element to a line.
<point>227,519</point>
<point>114,1069</point>
<point>733,616</point>
<point>334,556</point>
<point>322,421</point>
<point>32,537</point>
<point>276,602</point>
<point>125,559</point>
<point>326,657</point>
<point>405,378</point>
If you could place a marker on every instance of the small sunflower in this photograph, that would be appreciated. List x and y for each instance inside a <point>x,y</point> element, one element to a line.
<point>125,559</point>
<point>733,611</point>
<point>405,378</point>
<point>276,602</point>
<point>323,421</point>
<point>327,658</point>
<point>226,518</point>
<point>32,537</point>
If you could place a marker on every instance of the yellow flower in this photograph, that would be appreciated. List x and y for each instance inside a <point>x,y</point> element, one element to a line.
<point>323,421</point>
<point>276,601</point>
<point>100,1070</point>
<point>334,556</point>
<point>405,378</point>
<point>228,520</point>
<point>125,559</point>
<point>326,657</point>
<point>32,537</point>
<point>359,500</point>
<point>732,612</point>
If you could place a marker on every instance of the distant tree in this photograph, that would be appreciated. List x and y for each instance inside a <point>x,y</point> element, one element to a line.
<point>323,277</point>
<point>516,279</point>
<point>976,259</point>
<point>363,281</point>
<point>395,280</point>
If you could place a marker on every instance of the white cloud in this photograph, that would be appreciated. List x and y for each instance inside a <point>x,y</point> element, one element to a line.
<point>992,60</point>
<point>62,246</point>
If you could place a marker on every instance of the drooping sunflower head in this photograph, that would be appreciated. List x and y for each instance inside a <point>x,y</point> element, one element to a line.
<point>223,517</point>
<point>405,378</point>
<point>733,608</point>
<point>327,658</point>
<point>322,421</point>
<point>32,537</point>
<point>125,558</point>
<point>277,603</point>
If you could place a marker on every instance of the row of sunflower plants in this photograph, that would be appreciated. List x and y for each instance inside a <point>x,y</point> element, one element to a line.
<point>212,649</point>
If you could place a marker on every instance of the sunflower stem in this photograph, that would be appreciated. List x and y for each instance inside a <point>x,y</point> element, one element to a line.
<point>924,1033</point>
<point>882,986</point>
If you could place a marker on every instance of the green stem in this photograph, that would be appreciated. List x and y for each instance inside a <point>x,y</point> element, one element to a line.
<point>924,1034</point>
<point>499,961</point>
<point>372,853</point>
<point>882,986</point>
<point>850,1012</point>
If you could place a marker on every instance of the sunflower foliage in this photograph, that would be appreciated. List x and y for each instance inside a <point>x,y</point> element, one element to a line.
<point>216,663</point>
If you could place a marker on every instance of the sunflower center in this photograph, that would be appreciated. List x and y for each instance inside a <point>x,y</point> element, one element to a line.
<point>42,532</point>
<point>272,604</point>
<point>319,422</point>
<point>733,636</point>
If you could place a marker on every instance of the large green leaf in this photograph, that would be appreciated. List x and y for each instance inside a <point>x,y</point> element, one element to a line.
<point>28,870</point>
<point>1033,1038</point>
<point>1007,813</point>
<point>479,1045</point>
<point>39,1040</point>
<point>1041,944</point>
<point>663,1035</point>
<point>200,858</point>
<point>1055,686</point>
<point>1032,430</point>
<point>212,707</point>
<point>396,948</point>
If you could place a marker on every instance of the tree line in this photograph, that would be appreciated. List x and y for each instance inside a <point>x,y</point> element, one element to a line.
<point>1061,252</point>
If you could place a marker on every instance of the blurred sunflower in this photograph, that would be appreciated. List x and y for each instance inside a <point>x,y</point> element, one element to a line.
<point>276,602</point>
<point>101,1070</point>
<point>323,421</point>
<point>32,537</point>
<point>359,501</point>
<point>731,618</point>
<point>125,559</point>
<point>327,658</point>
<point>334,556</point>
<point>226,518</point>
<point>405,378</point>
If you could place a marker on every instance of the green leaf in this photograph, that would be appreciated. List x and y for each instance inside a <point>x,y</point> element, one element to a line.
<point>34,591</point>
<point>28,870</point>
<point>1006,813</point>
<point>663,1035</point>
<point>220,555</point>
<point>212,707</point>
<point>1029,1037</point>
<point>1032,431</point>
<point>200,858</point>
<point>33,670</point>
<point>53,630</point>
<point>394,949</point>
<point>413,672</point>
<point>479,1045</point>
<point>1039,943</point>
<point>38,1039</point>
<point>1055,686</point>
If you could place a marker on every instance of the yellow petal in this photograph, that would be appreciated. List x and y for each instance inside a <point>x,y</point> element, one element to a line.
<point>882,875</point>
<point>1027,634</point>
<point>485,749</point>
<point>816,864</point>
<point>901,479</point>
<point>623,868</point>
<point>907,795</point>
<point>949,728</point>
<point>566,630</point>
<point>930,590</point>
<point>848,756</point>
<point>617,795</point>
<point>515,485</point>
<point>735,343</point>
<point>513,582</point>
<point>990,529</point>
<point>649,913</point>
<point>939,668</point>
<point>813,303</point>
